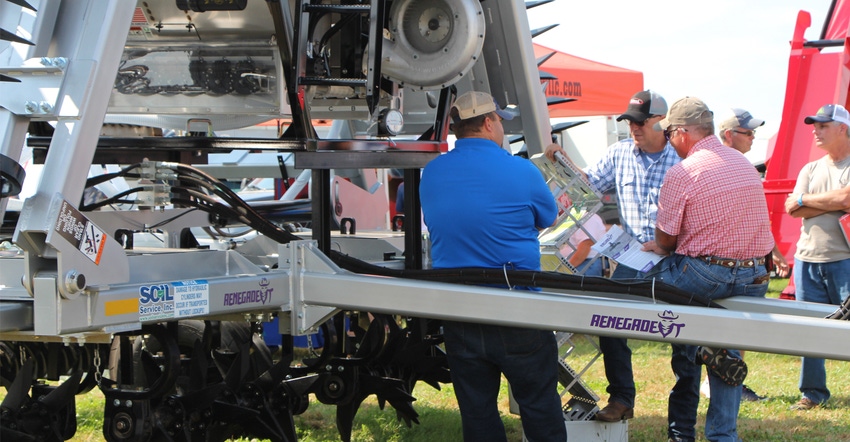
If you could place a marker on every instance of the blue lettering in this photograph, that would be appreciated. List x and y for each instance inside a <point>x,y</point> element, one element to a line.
<point>155,293</point>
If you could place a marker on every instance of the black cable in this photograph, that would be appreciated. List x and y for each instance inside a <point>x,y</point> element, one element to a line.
<point>258,221</point>
<point>111,200</point>
<point>164,222</point>
<point>93,181</point>
<point>200,196</point>
<point>218,209</point>
<point>546,280</point>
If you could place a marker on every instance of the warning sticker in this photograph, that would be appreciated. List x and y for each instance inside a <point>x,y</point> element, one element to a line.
<point>71,224</point>
<point>191,298</point>
<point>139,19</point>
<point>82,233</point>
<point>93,242</point>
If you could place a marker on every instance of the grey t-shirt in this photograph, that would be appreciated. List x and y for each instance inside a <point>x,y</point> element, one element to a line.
<point>821,238</point>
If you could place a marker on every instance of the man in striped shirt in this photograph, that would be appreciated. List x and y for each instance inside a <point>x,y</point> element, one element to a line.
<point>635,168</point>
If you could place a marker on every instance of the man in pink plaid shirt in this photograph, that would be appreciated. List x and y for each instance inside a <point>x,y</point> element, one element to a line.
<point>715,251</point>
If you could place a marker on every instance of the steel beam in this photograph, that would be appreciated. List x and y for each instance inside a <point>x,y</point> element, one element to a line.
<point>590,313</point>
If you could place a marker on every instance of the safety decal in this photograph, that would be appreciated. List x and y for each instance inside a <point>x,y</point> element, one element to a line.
<point>191,298</point>
<point>82,233</point>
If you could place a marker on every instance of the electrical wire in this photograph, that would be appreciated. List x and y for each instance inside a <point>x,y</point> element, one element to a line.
<point>111,200</point>
<point>93,181</point>
<point>166,221</point>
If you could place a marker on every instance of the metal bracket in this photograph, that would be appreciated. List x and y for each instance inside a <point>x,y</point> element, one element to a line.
<point>50,88</point>
<point>54,228</point>
<point>301,257</point>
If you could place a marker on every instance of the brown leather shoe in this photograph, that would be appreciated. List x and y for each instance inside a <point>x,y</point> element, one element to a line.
<point>615,412</point>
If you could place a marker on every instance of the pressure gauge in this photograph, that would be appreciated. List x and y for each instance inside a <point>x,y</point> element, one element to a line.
<point>390,122</point>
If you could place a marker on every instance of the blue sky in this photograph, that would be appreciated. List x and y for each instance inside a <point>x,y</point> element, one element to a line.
<point>729,53</point>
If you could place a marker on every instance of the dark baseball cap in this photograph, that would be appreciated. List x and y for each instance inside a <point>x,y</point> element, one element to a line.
<point>643,105</point>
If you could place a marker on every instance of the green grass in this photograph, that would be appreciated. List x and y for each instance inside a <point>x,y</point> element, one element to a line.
<point>771,420</point>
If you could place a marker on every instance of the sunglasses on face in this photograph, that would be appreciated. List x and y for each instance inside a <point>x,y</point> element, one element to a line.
<point>748,133</point>
<point>672,130</point>
<point>644,122</point>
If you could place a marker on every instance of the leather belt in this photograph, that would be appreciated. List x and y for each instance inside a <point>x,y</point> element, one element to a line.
<point>732,263</point>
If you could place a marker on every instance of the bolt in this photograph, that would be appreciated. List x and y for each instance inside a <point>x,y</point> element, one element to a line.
<point>341,368</point>
<point>46,107</point>
<point>128,403</point>
<point>31,106</point>
<point>116,402</point>
<point>121,425</point>
<point>328,368</point>
<point>75,282</point>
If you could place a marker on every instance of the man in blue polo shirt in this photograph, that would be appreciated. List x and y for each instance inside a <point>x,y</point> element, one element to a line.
<point>483,208</point>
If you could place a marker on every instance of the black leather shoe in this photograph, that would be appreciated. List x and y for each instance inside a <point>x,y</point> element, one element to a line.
<point>615,412</point>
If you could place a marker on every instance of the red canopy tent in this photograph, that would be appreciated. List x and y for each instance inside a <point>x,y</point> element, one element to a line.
<point>598,88</point>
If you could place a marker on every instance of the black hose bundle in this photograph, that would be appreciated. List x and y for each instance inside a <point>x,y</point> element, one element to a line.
<point>546,280</point>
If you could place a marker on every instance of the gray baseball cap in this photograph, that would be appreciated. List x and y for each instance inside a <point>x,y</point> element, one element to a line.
<point>830,112</point>
<point>739,118</point>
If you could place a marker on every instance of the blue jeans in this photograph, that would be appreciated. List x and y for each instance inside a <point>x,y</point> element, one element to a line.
<point>827,283</point>
<point>587,268</point>
<point>478,354</point>
<point>617,356</point>
<point>714,282</point>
